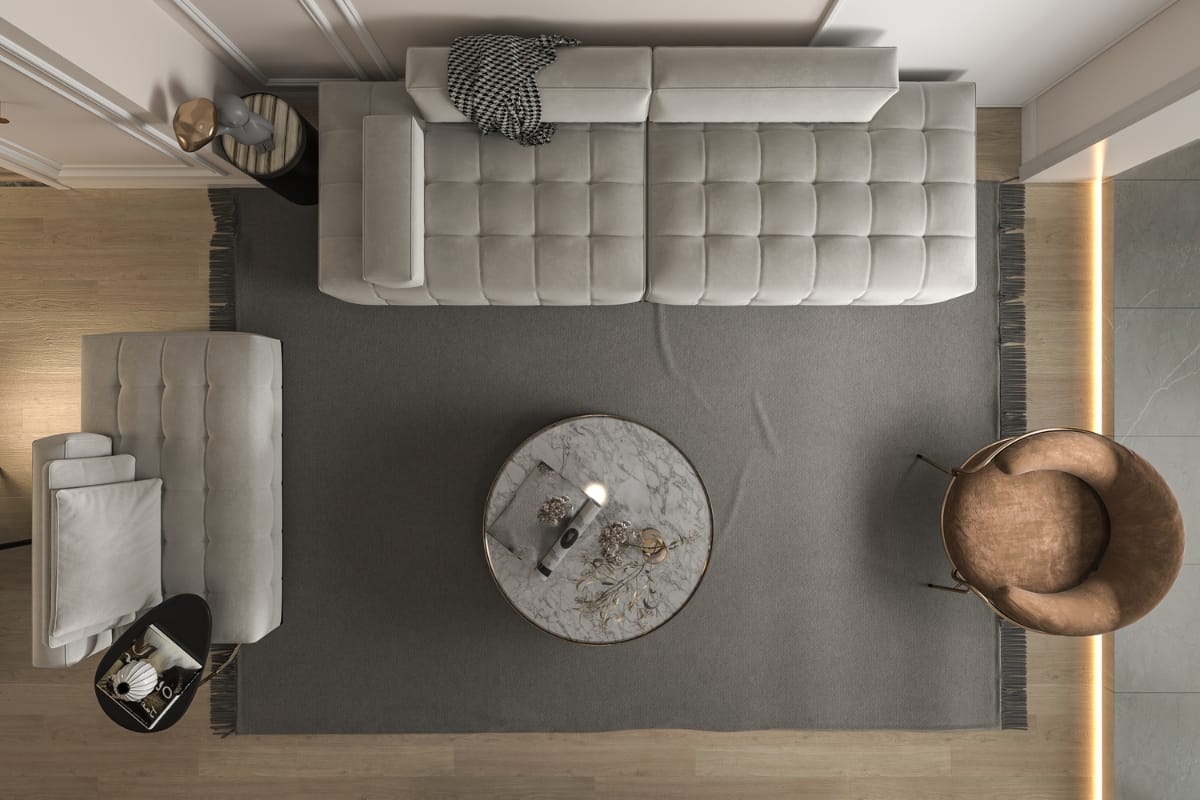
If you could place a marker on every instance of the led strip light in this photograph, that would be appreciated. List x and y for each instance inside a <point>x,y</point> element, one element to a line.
<point>1097,424</point>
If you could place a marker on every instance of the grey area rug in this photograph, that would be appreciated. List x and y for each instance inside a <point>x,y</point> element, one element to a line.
<point>803,422</point>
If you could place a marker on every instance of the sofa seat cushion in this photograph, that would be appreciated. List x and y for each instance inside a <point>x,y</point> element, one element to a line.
<point>106,550</point>
<point>788,213</point>
<point>202,411</point>
<point>584,84</point>
<point>559,224</point>
<point>772,84</point>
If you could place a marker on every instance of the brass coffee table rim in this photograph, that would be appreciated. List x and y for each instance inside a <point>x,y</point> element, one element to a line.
<point>712,526</point>
<point>1000,446</point>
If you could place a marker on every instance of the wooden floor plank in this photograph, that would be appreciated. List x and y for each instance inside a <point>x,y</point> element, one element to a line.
<point>997,144</point>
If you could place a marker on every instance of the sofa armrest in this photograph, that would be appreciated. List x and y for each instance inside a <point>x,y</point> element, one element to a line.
<point>393,201</point>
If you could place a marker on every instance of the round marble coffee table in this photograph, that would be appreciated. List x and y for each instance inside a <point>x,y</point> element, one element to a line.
<point>649,484</point>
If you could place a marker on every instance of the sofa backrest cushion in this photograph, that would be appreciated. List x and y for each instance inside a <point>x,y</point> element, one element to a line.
<point>83,447</point>
<point>585,84</point>
<point>772,84</point>
<point>105,544</point>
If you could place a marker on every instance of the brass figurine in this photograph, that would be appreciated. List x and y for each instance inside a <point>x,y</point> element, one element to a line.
<point>198,121</point>
<point>654,547</point>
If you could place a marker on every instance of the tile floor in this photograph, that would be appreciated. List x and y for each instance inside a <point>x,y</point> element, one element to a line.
<point>1156,298</point>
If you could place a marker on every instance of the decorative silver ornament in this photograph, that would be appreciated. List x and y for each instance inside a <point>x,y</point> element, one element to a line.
<point>554,510</point>
<point>613,537</point>
<point>135,681</point>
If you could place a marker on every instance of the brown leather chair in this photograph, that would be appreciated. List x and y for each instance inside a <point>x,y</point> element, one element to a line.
<point>1062,531</point>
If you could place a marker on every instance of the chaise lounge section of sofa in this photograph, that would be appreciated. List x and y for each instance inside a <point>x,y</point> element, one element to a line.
<point>198,414</point>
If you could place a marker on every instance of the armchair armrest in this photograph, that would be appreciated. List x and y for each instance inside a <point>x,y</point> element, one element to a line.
<point>1093,607</point>
<point>393,201</point>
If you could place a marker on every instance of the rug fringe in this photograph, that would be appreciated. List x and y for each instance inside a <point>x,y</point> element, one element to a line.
<point>222,309</point>
<point>1014,420</point>
<point>223,695</point>
<point>1014,710</point>
<point>1011,258</point>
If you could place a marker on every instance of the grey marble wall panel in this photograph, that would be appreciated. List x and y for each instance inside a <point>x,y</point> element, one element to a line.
<point>1155,750</point>
<point>1178,459</point>
<point>1156,364</point>
<point>1160,652</point>
<point>1182,163</point>
<point>1156,244</point>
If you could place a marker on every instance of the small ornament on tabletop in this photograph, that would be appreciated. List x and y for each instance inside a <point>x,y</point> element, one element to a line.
<point>613,537</point>
<point>150,676</point>
<point>198,121</point>
<point>134,681</point>
<point>555,510</point>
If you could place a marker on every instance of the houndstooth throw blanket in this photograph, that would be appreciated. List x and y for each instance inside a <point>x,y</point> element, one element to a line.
<point>491,81</point>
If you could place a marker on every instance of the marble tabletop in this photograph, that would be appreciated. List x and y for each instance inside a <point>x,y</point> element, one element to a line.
<point>649,484</point>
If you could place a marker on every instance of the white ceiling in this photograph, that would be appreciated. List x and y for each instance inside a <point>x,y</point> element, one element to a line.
<point>1013,49</point>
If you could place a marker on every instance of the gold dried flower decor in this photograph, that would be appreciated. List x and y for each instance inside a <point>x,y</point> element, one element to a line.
<point>620,585</point>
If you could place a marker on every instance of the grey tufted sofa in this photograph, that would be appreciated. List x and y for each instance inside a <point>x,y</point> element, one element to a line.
<point>679,175</point>
<point>203,412</point>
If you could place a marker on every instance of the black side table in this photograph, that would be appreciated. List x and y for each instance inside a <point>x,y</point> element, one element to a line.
<point>290,169</point>
<point>186,618</point>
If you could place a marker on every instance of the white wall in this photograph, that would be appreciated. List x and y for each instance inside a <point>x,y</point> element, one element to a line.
<point>1133,102</point>
<point>93,87</point>
<point>131,46</point>
<point>1011,49</point>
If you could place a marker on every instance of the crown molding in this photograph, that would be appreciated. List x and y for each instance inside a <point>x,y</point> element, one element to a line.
<point>143,176</point>
<point>823,20</point>
<point>359,26</point>
<point>33,165</point>
<point>217,36</point>
<point>284,84</point>
<point>47,75</point>
<point>326,27</point>
<point>236,58</point>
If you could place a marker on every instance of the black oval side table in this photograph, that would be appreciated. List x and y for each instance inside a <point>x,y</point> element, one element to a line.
<point>187,619</point>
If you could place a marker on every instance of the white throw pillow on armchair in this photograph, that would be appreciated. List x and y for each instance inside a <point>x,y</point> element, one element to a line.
<point>105,556</point>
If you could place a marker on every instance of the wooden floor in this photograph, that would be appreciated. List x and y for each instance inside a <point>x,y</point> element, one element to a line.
<point>92,261</point>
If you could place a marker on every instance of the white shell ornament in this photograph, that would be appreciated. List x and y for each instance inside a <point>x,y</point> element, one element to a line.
<point>135,681</point>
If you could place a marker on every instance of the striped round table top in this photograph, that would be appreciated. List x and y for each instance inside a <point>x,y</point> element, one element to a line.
<point>289,138</point>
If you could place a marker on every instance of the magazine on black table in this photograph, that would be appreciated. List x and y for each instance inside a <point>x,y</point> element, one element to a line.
<point>176,672</point>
